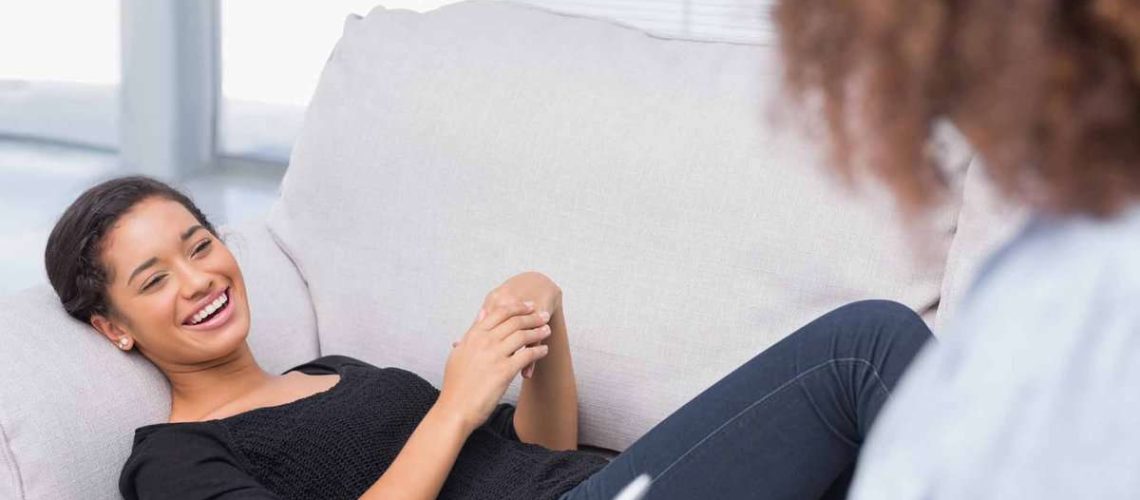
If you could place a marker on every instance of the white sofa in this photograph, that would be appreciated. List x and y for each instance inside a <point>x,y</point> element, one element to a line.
<point>689,223</point>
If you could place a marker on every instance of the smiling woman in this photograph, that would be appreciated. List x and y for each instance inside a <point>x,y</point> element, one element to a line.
<point>179,277</point>
<point>140,263</point>
<point>143,265</point>
<point>76,242</point>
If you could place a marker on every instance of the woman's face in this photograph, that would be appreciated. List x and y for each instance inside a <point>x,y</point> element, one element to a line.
<point>175,290</point>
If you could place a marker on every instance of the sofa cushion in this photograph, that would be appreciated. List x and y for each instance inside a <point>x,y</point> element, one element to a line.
<point>986,221</point>
<point>444,152</point>
<point>70,400</point>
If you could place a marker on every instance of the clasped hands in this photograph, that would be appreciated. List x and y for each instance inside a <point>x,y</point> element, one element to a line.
<point>505,339</point>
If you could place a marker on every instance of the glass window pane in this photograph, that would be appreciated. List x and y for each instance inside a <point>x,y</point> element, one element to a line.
<point>60,40</point>
<point>59,70</point>
<point>272,55</point>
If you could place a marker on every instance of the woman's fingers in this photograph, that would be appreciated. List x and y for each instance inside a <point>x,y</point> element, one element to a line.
<point>512,330</point>
<point>527,355</point>
<point>521,338</point>
<point>503,312</point>
<point>525,322</point>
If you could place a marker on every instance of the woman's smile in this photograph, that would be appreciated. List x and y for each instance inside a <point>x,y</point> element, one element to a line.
<point>212,312</point>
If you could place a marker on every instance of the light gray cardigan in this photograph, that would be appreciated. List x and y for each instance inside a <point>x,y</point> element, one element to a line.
<point>1034,390</point>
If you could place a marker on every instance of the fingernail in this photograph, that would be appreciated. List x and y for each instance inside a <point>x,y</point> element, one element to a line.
<point>544,348</point>
<point>529,304</point>
<point>544,315</point>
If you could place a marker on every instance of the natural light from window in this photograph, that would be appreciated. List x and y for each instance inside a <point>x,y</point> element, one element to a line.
<point>273,50</point>
<point>31,32</point>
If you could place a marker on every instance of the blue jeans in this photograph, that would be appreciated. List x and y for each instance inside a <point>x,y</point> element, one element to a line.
<point>786,424</point>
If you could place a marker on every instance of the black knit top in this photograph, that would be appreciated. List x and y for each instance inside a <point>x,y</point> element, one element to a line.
<point>335,444</point>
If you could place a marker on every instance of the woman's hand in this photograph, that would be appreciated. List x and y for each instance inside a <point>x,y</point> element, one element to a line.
<point>530,286</point>
<point>547,410</point>
<point>483,363</point>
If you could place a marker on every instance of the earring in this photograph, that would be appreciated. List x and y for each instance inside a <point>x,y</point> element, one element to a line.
<point>124,342</point>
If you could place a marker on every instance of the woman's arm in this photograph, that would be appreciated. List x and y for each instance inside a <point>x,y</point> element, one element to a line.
<point>426,459</point>
<point>547,412</point>
<point>479,369</point>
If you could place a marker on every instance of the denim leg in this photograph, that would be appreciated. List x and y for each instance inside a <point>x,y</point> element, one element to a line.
<point>786,424</point>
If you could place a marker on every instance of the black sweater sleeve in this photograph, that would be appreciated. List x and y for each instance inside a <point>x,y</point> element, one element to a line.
<point>188,463</point>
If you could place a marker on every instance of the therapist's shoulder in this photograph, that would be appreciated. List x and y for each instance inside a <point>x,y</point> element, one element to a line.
<point>1030,391</point>
<point>1073,265</point>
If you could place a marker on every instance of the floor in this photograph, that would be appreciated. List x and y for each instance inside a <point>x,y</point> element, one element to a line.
<point>38,180</point>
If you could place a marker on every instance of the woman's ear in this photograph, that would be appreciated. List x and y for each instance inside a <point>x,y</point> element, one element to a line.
<point>111,329</point>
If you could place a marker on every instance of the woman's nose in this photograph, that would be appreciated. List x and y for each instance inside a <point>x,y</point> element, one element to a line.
<point>196,283</point>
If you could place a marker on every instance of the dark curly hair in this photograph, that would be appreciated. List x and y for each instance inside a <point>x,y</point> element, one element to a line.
<point>72,256</point>
<point>1047,91</point>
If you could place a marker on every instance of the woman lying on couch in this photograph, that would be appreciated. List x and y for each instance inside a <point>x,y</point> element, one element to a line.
<point>139,262</point>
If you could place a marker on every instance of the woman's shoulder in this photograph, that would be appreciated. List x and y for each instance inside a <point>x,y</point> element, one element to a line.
<point>1060,281</point>
<point>165,446</point>
<point>1081,261</point>
<point>1038,363</point>
<point>153,438</point>
<point>187,460</point>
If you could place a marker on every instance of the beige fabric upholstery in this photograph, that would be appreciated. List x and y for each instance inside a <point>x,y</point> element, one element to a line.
<point>444,152</point>
<point>985,222</point>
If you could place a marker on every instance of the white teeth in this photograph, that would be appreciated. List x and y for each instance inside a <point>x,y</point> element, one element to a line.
<point>209,309</point>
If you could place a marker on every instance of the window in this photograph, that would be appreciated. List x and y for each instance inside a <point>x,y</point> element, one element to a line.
<point>272,55</point>
<point>64,92</point>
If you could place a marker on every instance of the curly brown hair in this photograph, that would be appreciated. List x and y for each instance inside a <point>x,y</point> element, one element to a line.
<point>1046,91</point>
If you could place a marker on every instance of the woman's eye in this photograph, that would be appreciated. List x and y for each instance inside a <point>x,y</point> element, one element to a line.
<point>153,282</point>
<point>201,247</point>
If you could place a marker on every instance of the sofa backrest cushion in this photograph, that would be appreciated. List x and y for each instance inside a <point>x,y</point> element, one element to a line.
<point>70,400</point>
<point>444,152</point>
<point>986,221</point>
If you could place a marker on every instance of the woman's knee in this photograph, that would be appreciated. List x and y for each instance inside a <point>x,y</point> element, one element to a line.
<point>884,317</point>
<point>888,310</point>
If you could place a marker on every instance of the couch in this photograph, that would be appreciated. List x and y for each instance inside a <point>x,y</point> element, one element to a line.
<point>684,210</point>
